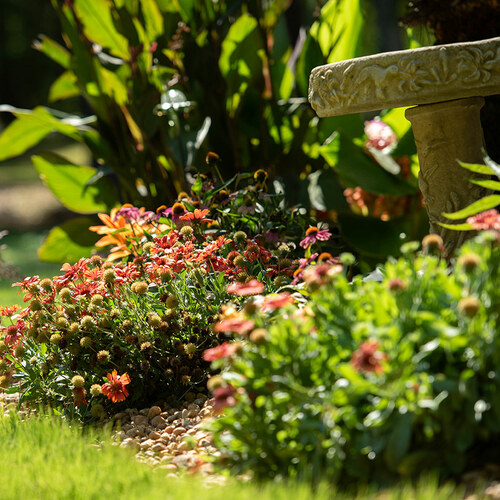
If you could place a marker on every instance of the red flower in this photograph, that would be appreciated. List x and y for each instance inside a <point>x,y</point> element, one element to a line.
<point>115,387</point>
<point>272,302</point>
<point>224,397</point>
<point>313,234</point>
<point>196,216</point>
<point>489,219</point>
<point>253,287</point>
<point>235,325</point>
<point>380,135</point>
<point>9,310</point>
<point>79,393</point>
<point>221,351</point>
<point>367,358</point>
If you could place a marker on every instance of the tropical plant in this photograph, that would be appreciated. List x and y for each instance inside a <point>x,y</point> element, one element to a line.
<point>245,74</point>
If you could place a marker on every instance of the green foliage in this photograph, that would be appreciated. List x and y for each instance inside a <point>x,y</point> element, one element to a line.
<point>488,202</point>
<point>371,380</point>
<point>241,78</point>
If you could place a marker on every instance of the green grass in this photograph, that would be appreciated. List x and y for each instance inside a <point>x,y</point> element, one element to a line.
<point>21,252</point>
<point>45,458</point>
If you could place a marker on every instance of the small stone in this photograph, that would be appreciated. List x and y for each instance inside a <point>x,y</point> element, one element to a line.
<point>178,431</point>
<point>146,444</point>
<point>159,422</point>
<point>169,429</point>
<point>493,491</point>
<point>140,420</point>
<point>181,460</point>
<point>155,435</point>
<point>119,416</point>
<point>153,412</point>
<point>157,447</point>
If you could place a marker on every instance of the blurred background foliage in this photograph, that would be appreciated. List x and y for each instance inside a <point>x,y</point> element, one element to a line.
<point>145,88</point>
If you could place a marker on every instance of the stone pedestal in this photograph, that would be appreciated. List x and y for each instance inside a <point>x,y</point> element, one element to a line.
<point>444,133</point>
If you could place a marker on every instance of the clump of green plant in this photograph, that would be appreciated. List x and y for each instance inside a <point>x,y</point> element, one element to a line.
<point>370,380</point>
<point>134,327</point>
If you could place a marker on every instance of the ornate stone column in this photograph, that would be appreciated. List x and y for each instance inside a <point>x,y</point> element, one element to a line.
<point>444,133</point>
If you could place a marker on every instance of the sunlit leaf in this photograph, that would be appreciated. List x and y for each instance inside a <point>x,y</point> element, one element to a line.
<point>69,242</point>
<point>69,183</point>
<point>474,208</point>
<point>99,27</point>
<point>64,87</point>
<point>53,50</point>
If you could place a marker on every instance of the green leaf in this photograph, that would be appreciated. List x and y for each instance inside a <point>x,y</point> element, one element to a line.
<point>240,61</point>
<point>69,183</point>
<point>398,443</point>
<point>310,57</point>
<point>355,168</point>
<point>21,135</point>
<point>54,51</point>
<point>474,208</point>
<point>493,185</point>
<point>457,227</point>
<point>478,168</point>
<point>64,87</point>
<point>29,129</point>
<point>372,236</point>
<point>339,29</point>
<point>98,25</point>
<point>69,242</point>
<point>112,86</point>
<point>153,19</point>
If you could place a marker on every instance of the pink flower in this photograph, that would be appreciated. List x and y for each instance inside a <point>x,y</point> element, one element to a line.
<point>236,325</point>
<point>380,135</point>
<point>489,219</point>
<point>253,287</point>
<point>272,302</point>
<point>368,358</point>
<point>224,350</point>
<point>313,234</point>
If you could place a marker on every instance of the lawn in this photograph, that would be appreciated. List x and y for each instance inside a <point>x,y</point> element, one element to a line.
<point>45,458</point>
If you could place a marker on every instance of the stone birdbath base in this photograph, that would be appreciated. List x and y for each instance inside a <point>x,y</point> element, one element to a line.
<point>446,83</point>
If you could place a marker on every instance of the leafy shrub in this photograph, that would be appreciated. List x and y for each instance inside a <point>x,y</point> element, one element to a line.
<point>370,379</point>
<point>137,324</point>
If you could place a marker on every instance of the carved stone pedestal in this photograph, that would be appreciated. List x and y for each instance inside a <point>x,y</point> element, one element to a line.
<point>444,133</point>
<point>446,83</point>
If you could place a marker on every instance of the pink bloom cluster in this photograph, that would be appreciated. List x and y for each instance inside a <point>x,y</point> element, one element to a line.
<point>489,219</point>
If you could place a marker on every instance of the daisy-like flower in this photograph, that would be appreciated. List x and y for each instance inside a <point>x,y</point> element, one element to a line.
<point>236,325</point>
<point>253,287</point>
<point>368,358</point>
<point>115,388</point>
<point>221,351</point>
<point>196,216</point>
<point>9,310</point>
<point>489,219</point>
<point>314,234</point>
<point>272,302</point>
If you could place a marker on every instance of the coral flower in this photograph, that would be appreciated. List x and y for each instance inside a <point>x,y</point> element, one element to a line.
<point>115,387</point>
<point>313,234</point>
<point>380,135</point>
<point>79,393</point>
<point>196,216</point>
<point>368,358</point>
<point>253,287</point>
<point>272,302</point>
<point>489,219</point>
<point>236,325</point>
<point>221,351</point>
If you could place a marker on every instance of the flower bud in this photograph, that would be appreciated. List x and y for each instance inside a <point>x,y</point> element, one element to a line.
<point>78,381</point>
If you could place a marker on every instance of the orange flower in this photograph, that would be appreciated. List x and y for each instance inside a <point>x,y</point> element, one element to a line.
<point>197,216</point>
<point>115,387</point>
